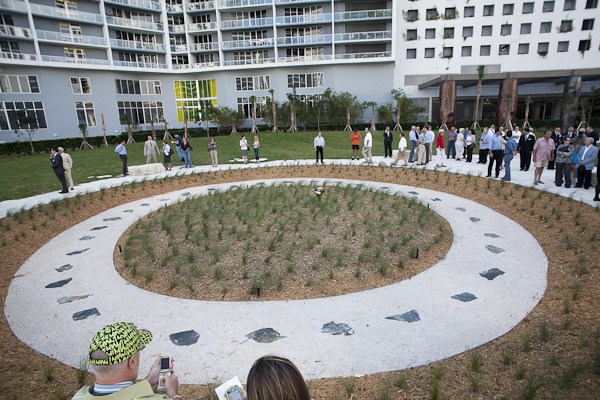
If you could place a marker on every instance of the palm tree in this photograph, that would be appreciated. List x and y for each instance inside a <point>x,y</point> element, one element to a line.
<point>273,109</point>
<point>84,144</point>
<point>126,120</point>
<point>400,97</point>
<point>253,101</point>
<point>480,76</point>
<point>292,103</point>
<point>347,99</point>
<point>371,105</point>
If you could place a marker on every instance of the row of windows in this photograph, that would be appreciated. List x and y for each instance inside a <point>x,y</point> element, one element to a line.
<point>10,113</point>
<point>141,112</point>
<point>503,49</point>
<point>306,80</point>
<point>128,86</point>
<point>19,84</point>
<point>252,82</point>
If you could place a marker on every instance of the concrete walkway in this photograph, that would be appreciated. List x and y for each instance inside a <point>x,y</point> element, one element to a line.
<point>484,287</point>
<point>461,167</point>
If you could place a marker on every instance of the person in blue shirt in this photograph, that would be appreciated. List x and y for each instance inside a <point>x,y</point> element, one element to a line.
<point>495,151</point>
<point>122,151</point>
<point>509,152</point>
<point>484,146</point>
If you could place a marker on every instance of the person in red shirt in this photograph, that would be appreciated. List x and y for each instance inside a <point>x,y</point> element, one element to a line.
<point>440,149</point>
<point>355,137</point>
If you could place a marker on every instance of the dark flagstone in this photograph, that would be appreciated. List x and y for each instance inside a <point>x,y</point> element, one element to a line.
<point>185,338</point>
<point>128,211</point>
<point>490,274</point>
<point>475,219</point>
<point>58,284</point>
<point>460,209</point>
<point>464,297</point>
<point>70,299</point>
<point>92,312</point>
<point>111,219</point>
<point>337,329</point>
<point>494,249</point>
<point>410,316</point>
<point>265,335</point>
<point>86,238</point>
<point>436,199</point>
<point>144,204</point>
<point>97,228</point>
<point>415,193</point>
<point>64,268</point>
<point>492,235</point>
<point>166,199</point>
<point>186,194</point>
<point>74,253</point>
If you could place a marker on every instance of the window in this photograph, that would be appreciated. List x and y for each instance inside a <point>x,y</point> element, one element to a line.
<point>526,28</point>
<point>9,47</point>
<point>563,47</point>
<point>447,52</point>
<point>467,31</point>
<point>545,27</point>
<point>85,113</point>
<point>306,80</point>
<point>508,9</point>
<point>569,5</point>
<point>469,12</point>
<point>584,45</point>
<point>74,52</point>
<point>429,52</point>
<point>548,6</point>
<point>412,15</point>
<point>430,33</point>
<point>588,24</point>
<point>566,25</point>
<point>19,84</point>
<point>448,33</point>
<point>6,19</point>
<point>484,50</point>
<point>150,87</point>
<point>488,11</point>
<point>591,4</point>
<point>33,109</point>
<point>486,30</point>
<point>411,34</point>
<point>504,50</point>
<point>523,48</point>
<point>450,13</point>
<point>432,14</point>
<point>506,29</point>
<point>81,85</point>
<point>528,8</point>
<point>411,54</point>
<point>252,82</point>
<point>128,86</point>
<point>66,4</point>
<point>466,51</point>
<point>245,106</point>
<point>142,112</point>
<point>543,49</point>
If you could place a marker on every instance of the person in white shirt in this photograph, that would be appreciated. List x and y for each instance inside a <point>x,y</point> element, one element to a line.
<point>429,138</point>
<point>368,144</point>
<point>319,144</point>
<point>401,151</point>
<point>413,136</point>
<point>244,148</point>
<point>516,133</point>
<point>460,144</point>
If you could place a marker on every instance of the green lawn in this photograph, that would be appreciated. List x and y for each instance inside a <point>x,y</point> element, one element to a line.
<point>31,175</point>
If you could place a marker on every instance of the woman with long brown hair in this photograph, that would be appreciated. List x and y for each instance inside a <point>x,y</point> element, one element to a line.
<point>275,378</point>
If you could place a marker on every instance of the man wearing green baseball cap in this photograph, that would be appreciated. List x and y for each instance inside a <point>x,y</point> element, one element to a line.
<point>114,356</point>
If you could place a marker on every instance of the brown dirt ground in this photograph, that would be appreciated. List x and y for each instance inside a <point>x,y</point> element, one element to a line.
<point>525,363</point>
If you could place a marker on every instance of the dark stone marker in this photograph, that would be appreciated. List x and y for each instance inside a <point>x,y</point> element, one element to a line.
<point>185,194</point>
<point>111,219</point>
<point>92,312</point>
<point>460,209</point>
<point>490,274</point>
<point>464,297</point>
<point>436,199</point>
<point>74,253</point>
<point>128,211</point>
<point>494,249</point>
<point>260,184</point>
<point>86,238</point>
<point>491,235</point>
<point>165,199</point>
<point>415,193</point>
<point>144,204</point>
<point>411,316</point>
<point>475,219</point>
<point>265,335</point>
<point>64,268</point>
<point>58,284</point>
<point>70,299</point>
<point>337,329</point>
<point>185,338</point>
<point>97,228</point>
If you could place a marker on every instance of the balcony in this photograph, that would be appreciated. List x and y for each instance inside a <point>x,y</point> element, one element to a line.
<point>202,27</point>
<point>61,13</point>
<point>177,28</point>
<point>134,45</point>
<point>208,64</point>
<point>137,64</point>
<point>202,47</point>
<point>17,56</point>
<point>144,4</point>
<point>247,44</point>
<point>206,6</point>
<point>304,40</point>
<point>134,23</point>
<point>174,8</point>
<point>247,23</point>
<point>303,19</point>
<point>71,60</point>
<point>230,63</point>
<point>15,32</point>
<point>50,36</point>
<point>367,15</point>
<point>179,48</point>
<point>13,5</point>
<point>242,3</point>
<point>363,36</point>
<point>278,2</point>
<point>356,56</point>
<point>322,57</point>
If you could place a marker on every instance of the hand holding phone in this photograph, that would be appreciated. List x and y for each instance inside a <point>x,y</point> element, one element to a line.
<point>234,393</point>
<point>165,369</point>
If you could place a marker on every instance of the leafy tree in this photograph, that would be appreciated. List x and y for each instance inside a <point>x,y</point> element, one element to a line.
<point>371,105</point>
<point>292,104</point>
<point>226,117</point>
<point>385,112</point>
<point>254,127</point>
<point>404,109</point>
<point>279,111</point>
<point>27,124</point>
<point>314,110</point>
<point>590,105</point>
<point>344,103</point>
<point>125,119</point>
<point>84,143</point>
<point>273,105</point>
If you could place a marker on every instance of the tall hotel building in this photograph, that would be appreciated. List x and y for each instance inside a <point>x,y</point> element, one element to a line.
<point>70,62</point>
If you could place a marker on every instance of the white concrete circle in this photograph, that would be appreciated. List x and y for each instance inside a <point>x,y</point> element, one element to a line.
<point>446,327</point>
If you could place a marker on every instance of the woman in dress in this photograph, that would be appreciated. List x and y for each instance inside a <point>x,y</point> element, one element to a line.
<point>256,146</point>
<point>460,144</point>
<point>166,149</point>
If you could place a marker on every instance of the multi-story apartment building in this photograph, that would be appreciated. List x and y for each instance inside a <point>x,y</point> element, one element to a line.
<point>71,62</point>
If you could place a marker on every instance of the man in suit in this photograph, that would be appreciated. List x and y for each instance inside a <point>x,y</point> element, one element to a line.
<point>57,166</point>
<point>587,159</point>
<point>526,143</point>
<point>557,138</point>
<point>388,138</point>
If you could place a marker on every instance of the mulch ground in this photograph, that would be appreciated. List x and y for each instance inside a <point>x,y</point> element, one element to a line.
<point>553,354</point>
